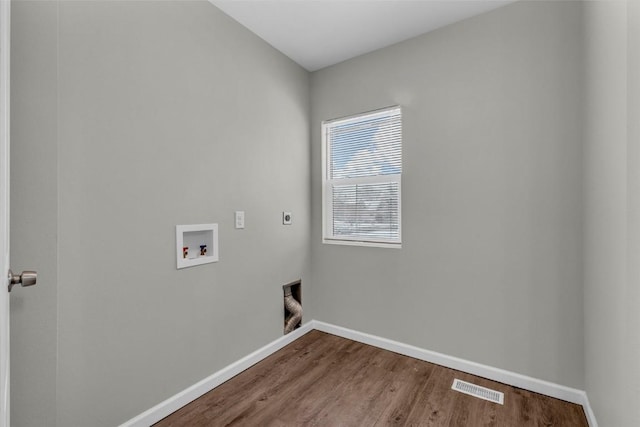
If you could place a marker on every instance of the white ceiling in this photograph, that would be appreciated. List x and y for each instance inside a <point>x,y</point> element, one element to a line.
<point>319,33</point>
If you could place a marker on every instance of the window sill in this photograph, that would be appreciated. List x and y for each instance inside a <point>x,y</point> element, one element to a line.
<point>361,243</point>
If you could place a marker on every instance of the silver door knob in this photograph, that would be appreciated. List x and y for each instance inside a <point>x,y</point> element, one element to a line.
<point>26,278</point>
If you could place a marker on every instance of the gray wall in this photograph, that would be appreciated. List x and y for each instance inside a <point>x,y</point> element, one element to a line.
<point>633,220</point>
<point>490,268</point>
<point>521,183</point>
<point>167,113</point>
<point>612,212</point>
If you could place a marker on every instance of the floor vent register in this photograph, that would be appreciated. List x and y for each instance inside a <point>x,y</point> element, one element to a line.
<point>478,391</point>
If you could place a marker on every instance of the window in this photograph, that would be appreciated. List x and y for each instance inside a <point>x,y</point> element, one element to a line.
<point>362,169</point>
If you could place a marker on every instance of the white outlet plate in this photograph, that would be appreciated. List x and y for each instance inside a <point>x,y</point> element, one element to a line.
<point>286,218</point>
<point>239,216</point>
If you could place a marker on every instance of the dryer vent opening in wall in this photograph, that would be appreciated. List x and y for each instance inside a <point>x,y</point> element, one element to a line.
<point>292,306</point>
<point>478,391</point>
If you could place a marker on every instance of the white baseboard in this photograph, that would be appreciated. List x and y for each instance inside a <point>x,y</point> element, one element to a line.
<point>591,417</point>
<point>500,375</point>
<point>176,402</point>
<point>179,400</point>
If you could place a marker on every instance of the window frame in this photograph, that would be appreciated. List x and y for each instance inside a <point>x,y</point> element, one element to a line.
<point>327,195</point>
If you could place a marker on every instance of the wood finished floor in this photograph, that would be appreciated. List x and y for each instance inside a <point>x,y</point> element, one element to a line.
<point>324,380</point>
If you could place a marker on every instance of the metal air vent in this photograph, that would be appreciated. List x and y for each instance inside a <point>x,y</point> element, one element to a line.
<point>478,391</point>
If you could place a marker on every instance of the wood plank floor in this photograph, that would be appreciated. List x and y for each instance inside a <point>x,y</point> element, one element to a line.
<point>324,380</point>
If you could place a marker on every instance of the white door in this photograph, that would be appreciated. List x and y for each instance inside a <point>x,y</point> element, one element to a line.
<point>26,278</point>
<point>5,18</point>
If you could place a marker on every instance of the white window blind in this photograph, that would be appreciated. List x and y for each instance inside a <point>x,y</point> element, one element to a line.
<point>362,171</point>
